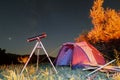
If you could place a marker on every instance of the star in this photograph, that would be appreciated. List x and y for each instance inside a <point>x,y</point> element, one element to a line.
<point>9,38</point>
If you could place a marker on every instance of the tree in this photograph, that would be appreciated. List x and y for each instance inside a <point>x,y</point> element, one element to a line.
<point>105,35</point>
<point>2,51</point>
<point>106,23</point>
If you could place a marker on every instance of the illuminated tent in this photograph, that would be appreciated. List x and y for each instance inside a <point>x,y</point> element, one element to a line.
<point>78,55</point>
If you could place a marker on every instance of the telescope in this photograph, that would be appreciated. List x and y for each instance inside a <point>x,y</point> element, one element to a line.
<point>39,37</point>
<point>37,45</point>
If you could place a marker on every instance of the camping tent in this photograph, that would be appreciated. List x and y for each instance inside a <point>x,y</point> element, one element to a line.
<point>78,55</point>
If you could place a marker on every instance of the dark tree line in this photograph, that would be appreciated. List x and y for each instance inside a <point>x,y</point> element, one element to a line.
<point>10,58</point>
<point>7,58</point>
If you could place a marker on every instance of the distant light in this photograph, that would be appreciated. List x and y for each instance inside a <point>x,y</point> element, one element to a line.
<point>9,38</point>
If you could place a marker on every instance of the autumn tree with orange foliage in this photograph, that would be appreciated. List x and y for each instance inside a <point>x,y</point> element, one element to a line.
<point>106,31</point>
<point>106,23</point>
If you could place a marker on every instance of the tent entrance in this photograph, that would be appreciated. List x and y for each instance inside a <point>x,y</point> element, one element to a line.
<point>66,58</point>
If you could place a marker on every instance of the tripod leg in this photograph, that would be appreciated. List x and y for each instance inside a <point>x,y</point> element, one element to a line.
<point>38,50</point>
<point>48,57</point>
<point>30,57</point>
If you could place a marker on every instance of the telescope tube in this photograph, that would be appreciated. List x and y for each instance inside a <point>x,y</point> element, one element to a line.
<point>43,35</point>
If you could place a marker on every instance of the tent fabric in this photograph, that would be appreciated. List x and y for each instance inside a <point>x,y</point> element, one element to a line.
<point>78,55</point>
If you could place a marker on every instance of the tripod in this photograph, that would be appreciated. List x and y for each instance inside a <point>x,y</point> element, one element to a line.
<point>38,45</point>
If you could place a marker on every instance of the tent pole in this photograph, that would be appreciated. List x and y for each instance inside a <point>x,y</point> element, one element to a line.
<point>100,68</point>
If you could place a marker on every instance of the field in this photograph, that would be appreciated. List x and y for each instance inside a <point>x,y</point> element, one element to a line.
<point>46,72</point>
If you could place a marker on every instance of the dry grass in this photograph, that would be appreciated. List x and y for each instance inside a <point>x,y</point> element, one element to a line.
<point>116,76</point>
<point>117,56</point>
<point>45,72</point>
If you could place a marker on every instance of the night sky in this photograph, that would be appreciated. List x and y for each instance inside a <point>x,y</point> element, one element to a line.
<point>62,20</point>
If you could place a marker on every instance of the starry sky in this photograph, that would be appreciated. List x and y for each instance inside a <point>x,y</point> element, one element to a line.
<point>62,20</point>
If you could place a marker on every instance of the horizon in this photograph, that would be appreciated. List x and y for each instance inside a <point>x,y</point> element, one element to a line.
<point>61,20</point>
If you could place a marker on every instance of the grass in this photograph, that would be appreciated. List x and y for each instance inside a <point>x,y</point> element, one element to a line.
<point>46,72</point>
<point>116,76</point>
